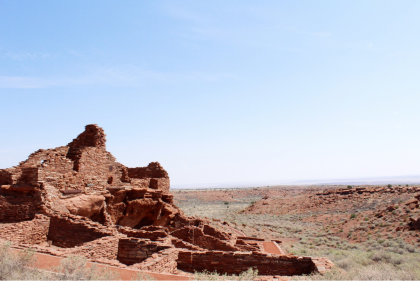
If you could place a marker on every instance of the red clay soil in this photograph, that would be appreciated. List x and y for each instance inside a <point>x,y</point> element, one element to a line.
<point>45,261</point>
<point>271,248</point>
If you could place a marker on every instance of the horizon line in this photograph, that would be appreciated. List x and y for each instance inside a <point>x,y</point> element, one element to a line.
<point>409,179</point>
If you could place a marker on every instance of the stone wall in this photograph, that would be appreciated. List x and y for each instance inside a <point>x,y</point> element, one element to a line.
<point>154,174</point>
<point>98,168</point>
<point>18,209</point>
<point>69,231</point>
<point>19,175</point>
<point>92,136</point>
<point>29,232</point>
<point>161,184</point>
<point>136,250</point>
<point>5,177</point>
<point>162,262</point>
<point>153,170</point>
<point>237,262</point>
<point>102,249</point>
<point>138,233</point>
<point>211,231</point>
<point>196,236</point>
<point>178,243</point>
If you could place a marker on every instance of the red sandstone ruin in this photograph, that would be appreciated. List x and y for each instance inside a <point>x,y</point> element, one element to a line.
<point>81,201</point>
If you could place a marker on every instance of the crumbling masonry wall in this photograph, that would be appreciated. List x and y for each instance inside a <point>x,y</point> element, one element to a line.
<point>162,262</point>
<point>5,177</point>
<point>84,167</point>
<point>137,233</point>
<point>69,231</point>
<point>237,262</point>
<point>29,232</point>
<point>196,236</point>
<point>16,209</point>
<point>154,176</point>
<point>136,250</point>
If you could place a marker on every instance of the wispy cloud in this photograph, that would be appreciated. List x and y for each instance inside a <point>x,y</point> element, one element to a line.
<point>254,26</point>
<point>26,56</point>
<point>133,76</point>
<point>111,76</point>
<point>17,82</point>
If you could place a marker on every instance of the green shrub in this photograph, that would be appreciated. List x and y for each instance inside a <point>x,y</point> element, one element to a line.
<point>352,216</point>
<point>381,256</point>
<point>410,248</point>
<point>345,263</point>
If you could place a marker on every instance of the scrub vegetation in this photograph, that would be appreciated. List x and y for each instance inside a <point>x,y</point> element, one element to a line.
<point>22,265</point>
<point>374,257</point>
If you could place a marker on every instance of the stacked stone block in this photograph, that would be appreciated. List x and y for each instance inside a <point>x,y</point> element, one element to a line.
<point>18,209</point>
<point>139,233</point>
<point>69,231</point>
<point>196,236</point>
<point>136,250</point>
<point>237,262</point>
<point>29,232</point>
<point>162,262</point>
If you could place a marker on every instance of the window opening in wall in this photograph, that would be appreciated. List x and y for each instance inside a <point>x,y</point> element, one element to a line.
<point>110,180</point>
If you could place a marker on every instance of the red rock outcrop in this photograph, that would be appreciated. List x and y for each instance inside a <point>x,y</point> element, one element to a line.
<point>414,223</point>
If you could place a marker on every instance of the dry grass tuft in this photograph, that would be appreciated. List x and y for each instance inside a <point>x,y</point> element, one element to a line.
<point>249,274</point>
<point>16,266</point>
<point>22,266</point>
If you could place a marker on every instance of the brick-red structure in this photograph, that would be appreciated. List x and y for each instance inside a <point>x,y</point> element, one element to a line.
<point>82,201</point>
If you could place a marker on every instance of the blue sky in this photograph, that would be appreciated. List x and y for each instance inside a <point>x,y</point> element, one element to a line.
<point>217,91</point>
